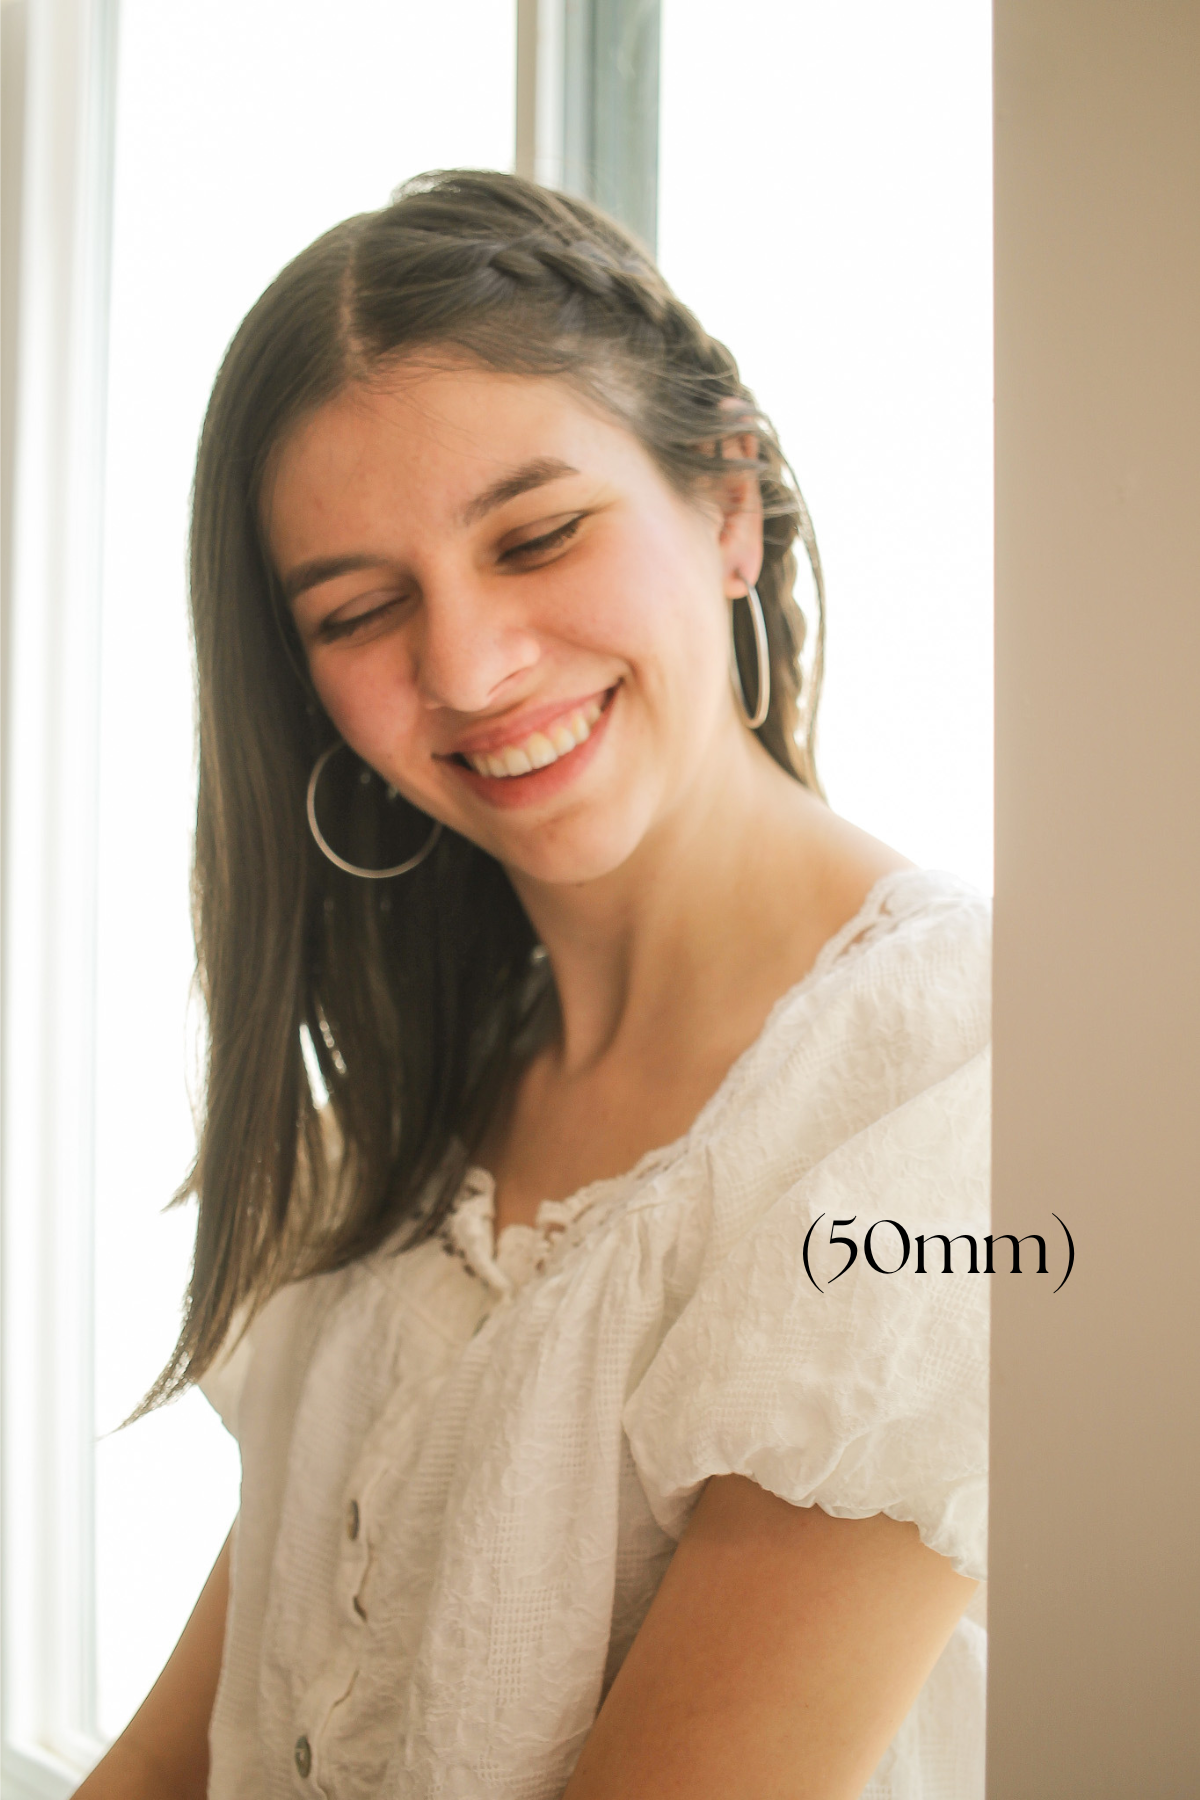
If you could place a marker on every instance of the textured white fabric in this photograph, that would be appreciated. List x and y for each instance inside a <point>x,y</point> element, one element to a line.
<point>465,1467</point>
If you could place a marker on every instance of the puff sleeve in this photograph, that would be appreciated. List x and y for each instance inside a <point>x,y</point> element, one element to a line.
<point>862,1394</point>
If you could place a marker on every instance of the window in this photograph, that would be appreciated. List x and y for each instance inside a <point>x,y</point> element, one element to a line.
<point>825,206</point>
<point>817,178</point>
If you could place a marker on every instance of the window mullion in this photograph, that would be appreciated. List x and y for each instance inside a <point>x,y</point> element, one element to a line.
<point>587,103</point>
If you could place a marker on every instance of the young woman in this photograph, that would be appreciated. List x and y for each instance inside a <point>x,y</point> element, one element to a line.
<point>568,1468</point>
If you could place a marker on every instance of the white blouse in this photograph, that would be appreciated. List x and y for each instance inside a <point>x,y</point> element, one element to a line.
<point>466,1465</point>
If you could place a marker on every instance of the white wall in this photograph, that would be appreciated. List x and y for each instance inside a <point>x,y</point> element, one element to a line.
<point>825,207</point>
<point>244,128</point>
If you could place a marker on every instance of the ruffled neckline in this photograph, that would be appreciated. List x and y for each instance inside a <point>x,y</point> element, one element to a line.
<point>522,1251</point>
<point>507,1262</point>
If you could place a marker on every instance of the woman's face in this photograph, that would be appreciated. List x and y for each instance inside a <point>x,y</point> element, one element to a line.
<point>509,613</point>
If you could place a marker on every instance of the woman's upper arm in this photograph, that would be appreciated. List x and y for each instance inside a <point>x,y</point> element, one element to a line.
<point>163,1752</point>
<point>778,1659</point>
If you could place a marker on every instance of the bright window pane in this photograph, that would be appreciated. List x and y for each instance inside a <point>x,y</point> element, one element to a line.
<point>825,206</point>
<point>244,128</point>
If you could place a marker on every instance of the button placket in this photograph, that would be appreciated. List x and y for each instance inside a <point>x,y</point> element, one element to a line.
<point>353,1530</point>
<point>356,1546</point>
<point>317,1708</point>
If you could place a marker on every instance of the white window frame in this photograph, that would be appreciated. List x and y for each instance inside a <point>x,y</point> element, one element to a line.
<point>58,91</point>
<point>587,103</point>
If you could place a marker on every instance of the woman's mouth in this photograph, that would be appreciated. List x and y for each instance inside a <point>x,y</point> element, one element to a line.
<point>537,764</point>
<point>540,748</point>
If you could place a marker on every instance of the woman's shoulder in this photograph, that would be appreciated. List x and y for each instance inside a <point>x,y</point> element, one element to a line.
<point>919,913</point>
<point>897,1002</point>
<point>866,1095</point>
<point>922,945</point>
<point>906,979</point>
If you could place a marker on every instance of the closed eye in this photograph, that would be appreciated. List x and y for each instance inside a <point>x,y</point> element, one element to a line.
<point>331,629</point>
<point>533,547</point>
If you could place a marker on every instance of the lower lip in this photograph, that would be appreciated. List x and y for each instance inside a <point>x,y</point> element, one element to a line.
<point>511,791</point>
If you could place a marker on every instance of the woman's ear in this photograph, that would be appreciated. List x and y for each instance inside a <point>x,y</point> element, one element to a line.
<point>738,496</point>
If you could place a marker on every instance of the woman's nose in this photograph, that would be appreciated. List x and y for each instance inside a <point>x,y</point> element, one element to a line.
<point>469,646</point>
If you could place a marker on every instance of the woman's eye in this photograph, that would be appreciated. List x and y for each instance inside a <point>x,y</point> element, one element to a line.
<point>331,629</point>
<point>549,541</point>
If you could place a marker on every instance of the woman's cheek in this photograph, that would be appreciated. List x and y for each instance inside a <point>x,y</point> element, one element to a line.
<point>376,717</point>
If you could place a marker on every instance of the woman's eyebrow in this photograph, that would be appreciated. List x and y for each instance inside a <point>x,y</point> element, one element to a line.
<point>520,481</point>
<point>325,568</point>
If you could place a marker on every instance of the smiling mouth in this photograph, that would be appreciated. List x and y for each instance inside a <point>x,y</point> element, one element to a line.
<point>540,748</point>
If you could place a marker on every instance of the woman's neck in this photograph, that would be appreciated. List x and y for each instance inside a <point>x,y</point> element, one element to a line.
<point>666,970</point>
<point>719,899</point>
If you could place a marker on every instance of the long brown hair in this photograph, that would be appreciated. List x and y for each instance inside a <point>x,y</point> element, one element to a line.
<point>413,995</point>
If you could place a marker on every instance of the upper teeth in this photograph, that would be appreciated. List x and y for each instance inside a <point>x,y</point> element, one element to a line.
<point>541,747</point>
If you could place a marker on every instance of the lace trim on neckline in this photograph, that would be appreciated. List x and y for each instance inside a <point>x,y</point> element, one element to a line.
<point>521,1251</point>
<point>506,1263</point>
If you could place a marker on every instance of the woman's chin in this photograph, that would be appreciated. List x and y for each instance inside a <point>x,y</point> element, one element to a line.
<point>572,853</point>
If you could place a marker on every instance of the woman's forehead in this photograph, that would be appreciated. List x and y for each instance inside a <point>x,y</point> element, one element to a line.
<point>445,433</point>
<point>454,415</point>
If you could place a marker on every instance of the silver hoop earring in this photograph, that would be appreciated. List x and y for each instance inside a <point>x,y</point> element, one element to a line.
<point>756,718</point>
<point>340,862</point>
